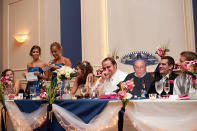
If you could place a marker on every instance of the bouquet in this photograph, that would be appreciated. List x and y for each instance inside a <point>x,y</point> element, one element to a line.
<point>114,54</point>
<point>191,69</point>
<point>161,51</point>
<point>123,94</point>
<point>99,71</point>
<point>65,73</point>
<point>6,82</point>
<point>43,93</point>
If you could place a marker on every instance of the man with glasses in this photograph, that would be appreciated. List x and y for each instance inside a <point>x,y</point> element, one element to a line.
<point>142,79</point>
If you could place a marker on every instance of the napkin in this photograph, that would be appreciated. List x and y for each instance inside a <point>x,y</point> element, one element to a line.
<point>110,96</point>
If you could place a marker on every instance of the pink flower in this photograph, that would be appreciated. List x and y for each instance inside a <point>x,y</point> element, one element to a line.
<point>193,80</point>
<point>176,65</point>
<point>99,71</point>
<point>171,81</point>
<point>160,49</point>
<point>185,66</point>
<point>129,84</point>
<point>11,97</point>
<point>121,94</point>
<point>41,95</point>
<point>41,90</point>
<point>110,57</point>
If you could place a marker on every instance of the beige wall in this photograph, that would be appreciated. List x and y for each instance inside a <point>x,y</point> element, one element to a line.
<point>1,34</point>
<point>134,25</point>
<point>104,27</point>
<point>94,35</point>
<point>39,19</point>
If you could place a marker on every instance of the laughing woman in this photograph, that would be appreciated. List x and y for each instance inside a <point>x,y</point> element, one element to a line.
<point>59,60</point>
<point>36,66</point>
<point>85,79</point>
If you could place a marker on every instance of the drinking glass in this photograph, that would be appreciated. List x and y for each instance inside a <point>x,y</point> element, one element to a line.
<point>83,91</point>
<point>32,91</point>
<point>159,87</point>
<point>167,87</point>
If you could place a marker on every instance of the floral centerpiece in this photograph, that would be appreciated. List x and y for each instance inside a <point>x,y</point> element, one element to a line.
<point>114,54</point>
<point>124,95</point>
<point>191,69</point>
<point>6,82</point>
<point>65,73</point>
<point>125,88</point>
<point>162,50</point>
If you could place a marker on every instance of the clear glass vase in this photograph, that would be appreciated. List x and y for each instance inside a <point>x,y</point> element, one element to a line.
<point>65,90</point>
<point>193,90</point>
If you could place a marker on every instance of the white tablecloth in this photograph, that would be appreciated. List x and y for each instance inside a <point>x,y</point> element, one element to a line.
<point>150,115</point>
<point>145,115</point>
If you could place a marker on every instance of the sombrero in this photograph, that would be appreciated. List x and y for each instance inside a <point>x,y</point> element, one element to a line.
<point>130,58</point>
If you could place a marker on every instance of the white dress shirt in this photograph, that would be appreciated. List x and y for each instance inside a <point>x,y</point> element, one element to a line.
<point>110,85</point>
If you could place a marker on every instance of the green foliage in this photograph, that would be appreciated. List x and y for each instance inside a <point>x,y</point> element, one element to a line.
<point>2,97</point>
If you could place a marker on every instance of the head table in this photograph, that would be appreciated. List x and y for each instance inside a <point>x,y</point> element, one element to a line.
<point>102,114</point>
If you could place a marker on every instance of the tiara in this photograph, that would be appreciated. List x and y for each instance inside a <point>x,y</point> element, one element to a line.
<point>130,58</point>
<point>84,63</point>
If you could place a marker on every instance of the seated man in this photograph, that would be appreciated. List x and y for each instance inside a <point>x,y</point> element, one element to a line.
<point>140,77</point>
<point>110,77</point>
<point>166,67</point>
<point>183,83</point>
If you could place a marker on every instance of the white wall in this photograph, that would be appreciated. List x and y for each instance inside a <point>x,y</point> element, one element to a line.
<point>134,25</point>
<point>94,35</point>
<point>125,24</point>
<point>1,35</point>
<point>143,25</point>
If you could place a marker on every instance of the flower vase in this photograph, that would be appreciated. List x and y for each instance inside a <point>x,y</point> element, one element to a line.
<point>193,90</point>
<point>66,89</point>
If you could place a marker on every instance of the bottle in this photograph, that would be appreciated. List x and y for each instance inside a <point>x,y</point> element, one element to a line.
<point>143,90</point>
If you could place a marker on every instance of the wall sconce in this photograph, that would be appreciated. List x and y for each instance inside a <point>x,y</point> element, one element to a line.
<point>21,38</point>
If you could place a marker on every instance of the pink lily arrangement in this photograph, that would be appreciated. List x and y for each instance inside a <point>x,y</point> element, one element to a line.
<point>123,93</point>
<point>161,51</point>
<point>6,82</point>
<point>191,69</point>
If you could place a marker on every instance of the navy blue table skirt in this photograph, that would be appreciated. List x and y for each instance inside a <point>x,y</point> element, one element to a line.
<point>85,109</point>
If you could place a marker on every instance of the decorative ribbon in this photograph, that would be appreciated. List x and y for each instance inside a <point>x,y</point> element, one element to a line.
<point>3,118</point>
<point>49,117</point>
<point>121,119</point>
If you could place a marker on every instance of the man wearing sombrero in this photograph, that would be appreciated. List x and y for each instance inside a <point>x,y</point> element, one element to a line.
<point>142,79</point>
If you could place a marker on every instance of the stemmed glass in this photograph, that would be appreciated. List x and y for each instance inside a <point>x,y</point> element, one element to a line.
<point>167,87</point>
<point>33,90</point>
<point>83,91</point>
<point>159,87</point>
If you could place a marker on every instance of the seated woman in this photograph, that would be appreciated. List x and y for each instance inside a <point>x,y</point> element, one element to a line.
<point>36,66</point>
<point>85,78</point>
<point>16,85</point>
<point>59,60</point>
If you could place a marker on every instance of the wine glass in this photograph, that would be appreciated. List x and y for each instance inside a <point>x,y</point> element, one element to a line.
<point>159,87</point>
<point>32,91</point>
<point>83,91</point>
<point>167,87</point>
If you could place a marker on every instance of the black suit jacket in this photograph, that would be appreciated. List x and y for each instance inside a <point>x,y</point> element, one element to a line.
<point>172,76</point>
<point>138,83</point>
